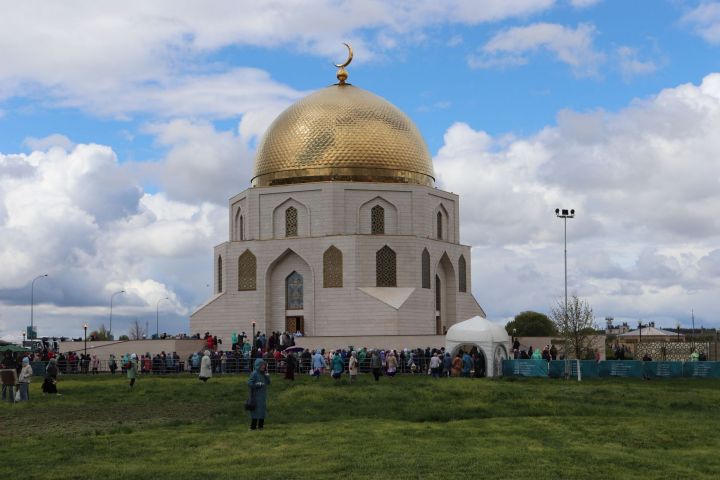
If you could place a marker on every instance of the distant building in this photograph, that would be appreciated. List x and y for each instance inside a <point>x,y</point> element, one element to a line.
<point>611,329</point>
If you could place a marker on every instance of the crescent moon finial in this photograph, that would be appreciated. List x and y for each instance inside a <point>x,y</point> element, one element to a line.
<point>342,74</point>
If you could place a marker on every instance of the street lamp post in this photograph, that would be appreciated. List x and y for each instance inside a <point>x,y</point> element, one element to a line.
<point>85,325</point>
<point>253,337</point>
<point>678,330</point>
<point>32,299</point>
<point>640,325</point>
<point>157,317</point>
<point>565,214</point>
<point>111,305</point>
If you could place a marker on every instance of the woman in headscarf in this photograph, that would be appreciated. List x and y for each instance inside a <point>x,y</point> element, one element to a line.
<point>258,383</point>
<point>353,366</point>
<point>290,366</point>
<point>457,365</point>
<point>24,379</point>
<point>132,370</point>
<point>51,374</point>
<point>205,367</point>
<point>376,364</point>
<point>338,366</point>
<point>392,364</point>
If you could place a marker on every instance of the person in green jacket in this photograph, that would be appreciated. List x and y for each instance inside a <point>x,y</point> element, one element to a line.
<point>537,354</point>
<point>338,366</point>
<point>132,370</point>
<point>258,383</point>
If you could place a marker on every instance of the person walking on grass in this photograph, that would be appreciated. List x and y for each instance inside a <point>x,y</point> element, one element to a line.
<point>392,364</point>
<point>24,379</point>
<point>290,366</point>
<point>338,366</point>
<point>205,367</point>
<point>258,383</point>
<point>112,364</point>
<point>467,365</point>
<point>375,364</point>
<point>132,370</point>
<point>51,375</point>
<point>353,366</point>
<point>435,365</point>
<point>318,364</point>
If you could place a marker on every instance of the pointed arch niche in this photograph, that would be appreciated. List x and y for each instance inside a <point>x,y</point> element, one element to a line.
<point>378,217</point>
<point>291,219</point>
<point>247,271</point>
<point>289,283</point>
<point>332,268</point>
<point>385,267</point>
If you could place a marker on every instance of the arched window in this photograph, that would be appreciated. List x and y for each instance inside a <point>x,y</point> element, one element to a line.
<point>294,291</point>
<point>377,220</point>
<point>462,281</point>
<point>291,222</point>
<point>247,271</point>
<point>219,275</point>
<point>332,268</point>
<point>241,228</point>
<point>385,268</point>
<point>425,269</point>
<point>439,225</point>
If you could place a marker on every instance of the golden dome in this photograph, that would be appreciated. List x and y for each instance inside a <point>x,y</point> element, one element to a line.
<point>342,133</point>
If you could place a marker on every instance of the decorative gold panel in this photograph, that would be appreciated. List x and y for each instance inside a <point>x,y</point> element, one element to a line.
<point>332,268</point>
<point>291,222</point>
<point>377,220</point>
<point>247,271</point>
<point>342,133</point>
<point>385,267</point>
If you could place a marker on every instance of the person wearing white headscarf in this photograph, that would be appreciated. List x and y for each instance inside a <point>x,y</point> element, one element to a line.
<point>24,379</point>
<point>205,367</point>
<point>132,370</point>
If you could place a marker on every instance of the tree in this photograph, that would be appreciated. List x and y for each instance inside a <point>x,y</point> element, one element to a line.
<point>531,324</point>
<point>137,332</point>
<point>576,326</point>
<point>100,334</point>
<point>124,338</point>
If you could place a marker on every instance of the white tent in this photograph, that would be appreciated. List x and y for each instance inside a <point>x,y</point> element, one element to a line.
<point>490,339</point>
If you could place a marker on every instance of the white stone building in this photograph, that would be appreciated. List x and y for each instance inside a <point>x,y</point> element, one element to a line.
<point>342,232</point>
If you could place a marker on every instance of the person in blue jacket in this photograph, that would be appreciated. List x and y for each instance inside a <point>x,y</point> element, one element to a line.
<point>467,364</point>
<point>258,383</point>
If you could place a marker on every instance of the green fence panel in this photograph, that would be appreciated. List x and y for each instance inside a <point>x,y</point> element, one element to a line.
<point>701,369</point>
<point>663,369</point>
<point>525,368</point>
<point>38,368</point>
<point>621,368</point>
<point>588,368</point>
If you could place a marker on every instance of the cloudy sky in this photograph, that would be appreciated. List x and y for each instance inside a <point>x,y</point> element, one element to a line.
<point>126,126</point>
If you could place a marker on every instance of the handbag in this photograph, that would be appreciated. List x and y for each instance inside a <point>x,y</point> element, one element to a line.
<point>250,403</point>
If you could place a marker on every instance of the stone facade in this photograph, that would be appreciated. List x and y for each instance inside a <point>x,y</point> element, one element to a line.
<point>288,230</point>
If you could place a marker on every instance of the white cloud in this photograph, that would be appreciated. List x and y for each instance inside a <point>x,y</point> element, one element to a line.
<point>573,47</point>
<point>631,66</point>
<point>82,217</point>
<point>584,3</point>
<point>156,56</point>
<point>644,182</point>
<point>705,21</point>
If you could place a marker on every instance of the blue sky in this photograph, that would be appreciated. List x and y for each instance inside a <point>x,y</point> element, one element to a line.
<point>118,131</point>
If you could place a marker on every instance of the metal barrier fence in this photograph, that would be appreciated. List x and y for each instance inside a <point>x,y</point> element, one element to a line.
<point>232,365</point>
<point>610,368</point>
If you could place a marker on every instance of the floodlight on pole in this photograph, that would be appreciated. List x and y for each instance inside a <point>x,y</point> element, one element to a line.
<point>157,317</point>
<point>111,308</point>
<point>565,214</point>
<point>32,299</point>
<point>85,326</point>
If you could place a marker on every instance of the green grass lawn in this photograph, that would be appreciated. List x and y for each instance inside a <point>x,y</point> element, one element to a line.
<point>406,427</point>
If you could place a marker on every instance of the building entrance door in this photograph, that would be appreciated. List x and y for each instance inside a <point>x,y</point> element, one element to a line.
<point>293,324</point>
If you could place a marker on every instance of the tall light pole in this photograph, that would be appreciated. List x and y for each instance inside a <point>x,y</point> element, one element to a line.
<point>157,317</point>
<point>32,302</point>
<point>565,214</point>
<point>111,303</point>
<point>85,325</point>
